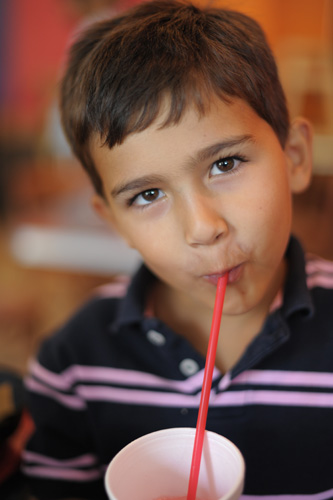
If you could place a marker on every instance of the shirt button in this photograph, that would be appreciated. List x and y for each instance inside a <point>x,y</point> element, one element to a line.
<point>155,337</point>
<point>188,366</point>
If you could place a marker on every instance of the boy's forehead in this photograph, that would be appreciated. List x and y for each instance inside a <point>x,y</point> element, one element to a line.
<point>191,113</point>
<point>196,134</point>
<point>160,122</point>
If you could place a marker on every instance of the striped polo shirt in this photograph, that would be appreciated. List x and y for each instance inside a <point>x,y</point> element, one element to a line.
<point>114,373</point>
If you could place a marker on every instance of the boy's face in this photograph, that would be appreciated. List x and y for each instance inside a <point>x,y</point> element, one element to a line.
<point>206,196</point>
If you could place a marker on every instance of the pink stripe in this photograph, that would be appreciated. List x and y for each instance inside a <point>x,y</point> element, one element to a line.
<point>275,398</point>
<point>235,398</point>
<point>61,382</point>
<point>78,373</point>
<point>116,289</point>
<point>324,495</point>
<point>96,393</point>
<point>320,280</point>
<point>320,273</point>
<point>81,461</point>
<point>66,400</point>
<point>225,381</point>
<point>64,474</point>
<point>285,378</point>
<point>316,264</point>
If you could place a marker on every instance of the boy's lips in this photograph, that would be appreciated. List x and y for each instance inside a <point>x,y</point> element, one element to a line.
<point>233,275</point>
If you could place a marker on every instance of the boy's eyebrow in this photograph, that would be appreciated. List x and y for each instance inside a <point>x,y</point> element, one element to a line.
<point>136,184</point>
<point>200,156</point>
<point>209,151</point>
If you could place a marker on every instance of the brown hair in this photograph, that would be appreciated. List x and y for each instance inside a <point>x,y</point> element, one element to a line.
<point>120,70</point>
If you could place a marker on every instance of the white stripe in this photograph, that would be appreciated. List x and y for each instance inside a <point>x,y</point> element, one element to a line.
<point>64,474</point>
<point>324,495</point>
<point>38,459</point>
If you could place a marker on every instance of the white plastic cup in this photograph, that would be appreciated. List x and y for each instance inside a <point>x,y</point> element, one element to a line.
<point>157,465</point>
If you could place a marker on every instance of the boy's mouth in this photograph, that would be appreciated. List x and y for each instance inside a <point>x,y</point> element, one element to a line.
<point>234,275</point>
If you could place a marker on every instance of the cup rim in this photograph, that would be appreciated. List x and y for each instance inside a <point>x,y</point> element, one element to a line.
<point>181,430</point>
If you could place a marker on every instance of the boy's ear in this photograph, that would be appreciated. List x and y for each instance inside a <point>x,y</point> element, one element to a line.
<point>298,151</point>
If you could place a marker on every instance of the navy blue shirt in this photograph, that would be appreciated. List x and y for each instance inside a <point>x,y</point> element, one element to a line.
<point>112,374</point>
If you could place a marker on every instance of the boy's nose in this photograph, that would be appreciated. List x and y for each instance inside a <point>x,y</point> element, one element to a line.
<point>203,223</point>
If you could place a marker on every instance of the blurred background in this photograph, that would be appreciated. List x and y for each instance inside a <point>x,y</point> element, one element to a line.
<point>53,250</point>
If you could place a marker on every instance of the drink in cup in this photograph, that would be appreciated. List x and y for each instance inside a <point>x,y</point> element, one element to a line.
<point>157,467</point>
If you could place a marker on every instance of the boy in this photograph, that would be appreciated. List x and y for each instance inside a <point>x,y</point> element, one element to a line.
<point>179,118</point>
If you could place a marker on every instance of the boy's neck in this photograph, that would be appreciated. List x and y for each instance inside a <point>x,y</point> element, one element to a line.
<point>193,322</point>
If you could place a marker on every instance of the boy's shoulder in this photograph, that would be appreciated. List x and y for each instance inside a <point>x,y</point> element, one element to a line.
<point>87,328</point>
<point>319,281</point>
<point>101,307</point>
<point>308,290</point>
<point>319,272</point>
<point>92,331</point>
<point>306,269</point>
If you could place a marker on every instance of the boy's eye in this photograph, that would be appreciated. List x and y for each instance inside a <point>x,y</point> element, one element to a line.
<point>147,197</point>
<point>225,165</point>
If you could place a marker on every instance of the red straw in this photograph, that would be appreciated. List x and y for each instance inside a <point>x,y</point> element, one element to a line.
<point>206,387</point>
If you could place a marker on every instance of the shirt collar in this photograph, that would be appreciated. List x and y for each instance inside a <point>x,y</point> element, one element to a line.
<point>132,306</point>
<point>297,297</point>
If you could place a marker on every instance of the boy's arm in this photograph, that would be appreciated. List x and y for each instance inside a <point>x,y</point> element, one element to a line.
<point>35,498</point>
<point>59,460</point>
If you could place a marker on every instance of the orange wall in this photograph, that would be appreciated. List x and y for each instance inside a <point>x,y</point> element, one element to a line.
<point>281,18</point>
<point>40,29</point>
